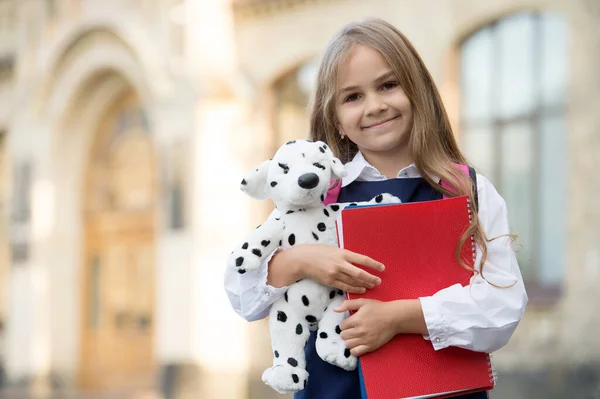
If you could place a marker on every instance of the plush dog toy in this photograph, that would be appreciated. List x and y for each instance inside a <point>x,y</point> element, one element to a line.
<point>297,179</point>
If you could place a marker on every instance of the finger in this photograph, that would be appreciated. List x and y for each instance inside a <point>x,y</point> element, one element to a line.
<point>354,281</point>
<point>360,350</point>
<point>359,274</point>
<point>348,288</point>
<point>347,323</point>
<point>349,334</point>
<point>363,260</point>
<point>352,343</point>
<point>353,304</point>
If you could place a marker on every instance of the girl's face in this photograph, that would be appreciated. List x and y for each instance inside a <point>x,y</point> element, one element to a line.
<point>371,107</point>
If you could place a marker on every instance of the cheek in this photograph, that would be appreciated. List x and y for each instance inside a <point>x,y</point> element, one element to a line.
<point>405,105</point>
<point>409,115</point>
<point>340,115</point>
<point>348,117</point>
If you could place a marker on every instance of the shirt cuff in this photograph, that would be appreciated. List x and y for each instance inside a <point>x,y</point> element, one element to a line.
<point>265,293</point>
<point>436,325</point>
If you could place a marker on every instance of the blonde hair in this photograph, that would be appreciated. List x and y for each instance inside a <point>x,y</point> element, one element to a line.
<point>431,142</point>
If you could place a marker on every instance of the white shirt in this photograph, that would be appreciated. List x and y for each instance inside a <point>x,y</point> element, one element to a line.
<point>478,317</point>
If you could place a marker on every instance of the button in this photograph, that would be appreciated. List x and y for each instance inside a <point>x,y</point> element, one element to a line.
<point>405,173</point>
<point>267,293</point>
<point>437,340</point>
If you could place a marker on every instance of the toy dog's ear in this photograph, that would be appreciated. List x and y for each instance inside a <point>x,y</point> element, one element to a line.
<point>337,168</point>
<point>254,182</point>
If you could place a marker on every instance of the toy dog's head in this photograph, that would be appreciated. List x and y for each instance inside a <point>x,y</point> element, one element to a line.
<point>298,175</point>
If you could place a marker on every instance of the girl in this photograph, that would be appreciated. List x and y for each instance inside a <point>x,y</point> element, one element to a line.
<point>378,108</point>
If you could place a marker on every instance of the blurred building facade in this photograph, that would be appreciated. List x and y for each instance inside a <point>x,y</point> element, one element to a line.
<point>125,127</point>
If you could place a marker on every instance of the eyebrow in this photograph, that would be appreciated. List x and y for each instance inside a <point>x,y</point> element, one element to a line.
<point>379,79</point>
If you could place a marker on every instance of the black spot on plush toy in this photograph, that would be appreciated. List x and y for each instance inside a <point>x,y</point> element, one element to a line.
<point>297,179</point>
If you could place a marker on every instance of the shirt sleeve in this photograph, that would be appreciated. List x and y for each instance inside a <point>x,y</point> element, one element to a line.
<point>483,315</point>
<point>249,294</point>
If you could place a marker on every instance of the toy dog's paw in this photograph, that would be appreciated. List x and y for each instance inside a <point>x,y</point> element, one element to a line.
<point>386,198</point>
<point>245,259</point>
<point>285,379</point>
<point>333,350</point>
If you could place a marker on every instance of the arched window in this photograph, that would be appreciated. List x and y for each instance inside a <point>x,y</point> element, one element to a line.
<point>513,84</point>
<point>292,93</point>
<point>4,231</point>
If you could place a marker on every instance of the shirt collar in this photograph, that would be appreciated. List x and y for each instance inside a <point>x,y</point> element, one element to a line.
<point>361,170</point>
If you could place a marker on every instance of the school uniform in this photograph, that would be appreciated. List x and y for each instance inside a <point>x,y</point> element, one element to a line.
<point>480,317</point>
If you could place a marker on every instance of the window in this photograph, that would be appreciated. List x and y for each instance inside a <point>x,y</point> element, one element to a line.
<point>292,92</point>
<point>3,180</point>
<point>21,200</point>
<point>51,8</point>
<point>513,85</point>
<point>22,175</point>
<point>174,175</point>
<point>4,230</point>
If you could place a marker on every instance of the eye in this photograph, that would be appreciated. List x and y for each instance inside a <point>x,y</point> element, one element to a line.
<point>318,165</point>
<point>352,97</point>
<point>285,168</point>
<point>389,85</point>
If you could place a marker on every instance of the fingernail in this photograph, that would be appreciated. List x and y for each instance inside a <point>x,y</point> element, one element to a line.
<point>377,281</point>
<point>382,267</point>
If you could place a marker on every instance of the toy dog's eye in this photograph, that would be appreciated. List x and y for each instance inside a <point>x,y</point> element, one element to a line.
<point>318,165</point>
<point>284,167</point>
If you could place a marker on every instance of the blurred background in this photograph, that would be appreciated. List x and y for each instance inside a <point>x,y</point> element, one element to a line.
<point>126,125</point>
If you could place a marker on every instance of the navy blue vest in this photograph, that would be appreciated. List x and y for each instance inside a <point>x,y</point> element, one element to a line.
<point>330,382</point>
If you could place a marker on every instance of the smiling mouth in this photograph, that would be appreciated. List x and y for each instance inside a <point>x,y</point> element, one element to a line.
<point>381,123</point>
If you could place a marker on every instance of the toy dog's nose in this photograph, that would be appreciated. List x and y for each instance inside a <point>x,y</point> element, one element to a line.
<point>308,180</point>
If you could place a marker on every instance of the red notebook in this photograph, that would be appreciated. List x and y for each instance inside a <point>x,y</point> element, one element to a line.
<point>416,242</point>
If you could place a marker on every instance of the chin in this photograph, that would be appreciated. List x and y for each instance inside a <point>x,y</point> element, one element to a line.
<point>383,143</point>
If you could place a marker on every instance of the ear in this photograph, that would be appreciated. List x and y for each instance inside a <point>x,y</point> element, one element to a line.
<point>254,182</point>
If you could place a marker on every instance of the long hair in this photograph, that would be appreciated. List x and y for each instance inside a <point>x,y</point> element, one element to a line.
<point>431,140</point>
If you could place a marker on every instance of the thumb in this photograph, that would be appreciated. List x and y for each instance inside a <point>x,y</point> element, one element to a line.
<point>350,304</point>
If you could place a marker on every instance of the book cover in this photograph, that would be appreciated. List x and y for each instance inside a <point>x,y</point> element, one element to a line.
<point>417,243</point>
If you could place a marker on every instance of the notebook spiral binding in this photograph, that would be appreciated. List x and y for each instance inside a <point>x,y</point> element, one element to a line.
<point>492,373</point>
<point>473,248</point>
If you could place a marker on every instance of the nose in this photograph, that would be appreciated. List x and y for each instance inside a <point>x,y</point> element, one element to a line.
<point>308,180</point>
<point>375,105</point>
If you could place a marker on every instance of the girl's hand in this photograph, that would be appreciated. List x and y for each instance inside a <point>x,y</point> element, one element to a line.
<point>327,265</point>
<point>371,327</point>
<point>375,323</point>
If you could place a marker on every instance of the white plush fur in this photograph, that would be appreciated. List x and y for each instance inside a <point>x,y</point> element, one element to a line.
<point>297,179</point>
